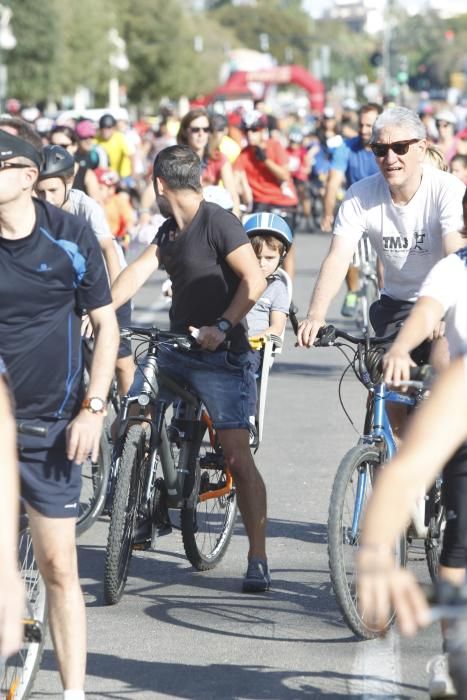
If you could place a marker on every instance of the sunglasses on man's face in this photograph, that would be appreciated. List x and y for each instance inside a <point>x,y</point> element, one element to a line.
<point>443,125</point>
<point>254,129</point>
<point>400,148</point>
<point>198,129</point>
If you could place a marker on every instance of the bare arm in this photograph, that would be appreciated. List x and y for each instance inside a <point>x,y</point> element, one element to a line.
<point>422,321</point>
<point>334,181</point>
<point>252,283</point>
<point>280,171</point>
<point>278,320</point>
<point>111,258</point>
<point>85,430</point>
<point>92,185</point>
<point>331,276</point>
<point>11,588</point>
<point>453,242</point>
<point>229,184</point>
<point>132,278</point>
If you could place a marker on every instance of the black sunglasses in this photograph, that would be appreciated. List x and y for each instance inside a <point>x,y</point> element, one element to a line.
<point>197,129</point>
<point>254,129</point>
<point>400,148</point>
<point>6,165</point>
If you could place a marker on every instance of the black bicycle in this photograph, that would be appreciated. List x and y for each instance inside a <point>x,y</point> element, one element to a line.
<point>160,464</point>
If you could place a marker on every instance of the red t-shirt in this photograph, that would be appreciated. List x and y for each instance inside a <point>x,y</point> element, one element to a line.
<point>266,188</point>
<point>211,173</point>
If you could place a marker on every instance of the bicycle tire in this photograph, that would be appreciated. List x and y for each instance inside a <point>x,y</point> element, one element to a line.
<point>341,550</point>
<point>20,670</point>
<point>95,478</point>
<point>207,526</point>
<point>433,543</point>
<point>126,498</point>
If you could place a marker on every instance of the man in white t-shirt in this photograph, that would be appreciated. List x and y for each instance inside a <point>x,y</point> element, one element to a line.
<point>412,214</point>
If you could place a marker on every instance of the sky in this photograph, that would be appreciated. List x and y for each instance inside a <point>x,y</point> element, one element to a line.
<point>316,7</point>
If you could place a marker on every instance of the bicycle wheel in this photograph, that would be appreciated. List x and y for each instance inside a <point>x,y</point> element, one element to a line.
<point>207,523</point>
<point>436,525</point>
<point>21,669</point>
<point>353,481</point>
<point>95,477</point>
<point>127,496</point>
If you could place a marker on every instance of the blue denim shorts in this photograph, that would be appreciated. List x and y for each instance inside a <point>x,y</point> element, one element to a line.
<point>224,381</point>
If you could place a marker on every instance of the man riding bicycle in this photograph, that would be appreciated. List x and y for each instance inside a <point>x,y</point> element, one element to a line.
<point>216,280</point>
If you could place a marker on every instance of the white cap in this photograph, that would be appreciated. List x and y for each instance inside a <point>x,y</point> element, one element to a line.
<point>329,113</point>
<point>446,116</point>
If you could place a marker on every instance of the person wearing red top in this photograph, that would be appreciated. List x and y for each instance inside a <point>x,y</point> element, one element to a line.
<point>265,179</point>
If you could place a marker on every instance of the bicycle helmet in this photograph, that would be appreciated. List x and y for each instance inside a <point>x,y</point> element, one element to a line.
<point>296,135</point>
<point>107,121</point>
<point>254,120</point>
<point>57,163</point>
<point>267,224</point>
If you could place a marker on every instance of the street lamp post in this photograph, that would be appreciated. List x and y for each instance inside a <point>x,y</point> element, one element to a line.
<point>119,62</point>
<point>7,43</point>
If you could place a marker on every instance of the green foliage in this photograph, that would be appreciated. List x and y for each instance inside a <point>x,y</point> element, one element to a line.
<point>30,63</point>
<point>288,27</point>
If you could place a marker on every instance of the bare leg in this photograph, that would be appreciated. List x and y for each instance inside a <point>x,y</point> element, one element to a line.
<point>352,278</point>
<point>125,370</point>
<point>251,491</point>
<point>55,550</point>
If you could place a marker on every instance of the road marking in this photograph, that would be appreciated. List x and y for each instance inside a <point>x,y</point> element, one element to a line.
<point>376,668</point>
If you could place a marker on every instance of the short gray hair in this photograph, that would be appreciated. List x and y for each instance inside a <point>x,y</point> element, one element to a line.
<point>400,117</point>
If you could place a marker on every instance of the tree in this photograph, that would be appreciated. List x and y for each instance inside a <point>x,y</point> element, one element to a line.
<point>30,63</point>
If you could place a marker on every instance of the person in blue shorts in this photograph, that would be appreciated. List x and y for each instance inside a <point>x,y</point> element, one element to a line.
<point>51,267</point>
<point>215,282</point>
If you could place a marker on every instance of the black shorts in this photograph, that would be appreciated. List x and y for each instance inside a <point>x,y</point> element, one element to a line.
<point>387,316</point>
<point>454,491</point>
<point>50,483</point>
<point>124,320</point>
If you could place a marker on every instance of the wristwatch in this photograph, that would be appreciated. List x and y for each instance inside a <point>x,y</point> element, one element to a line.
<point>223,325</point>
<point>95,405</point>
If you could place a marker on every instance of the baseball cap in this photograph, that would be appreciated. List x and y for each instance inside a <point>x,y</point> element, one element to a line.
<point>85,129</point>
<point>107,121</point>
<point>14,147</point>
<point>106,176</point>
<point>329,113</point>
<point>445,116</point>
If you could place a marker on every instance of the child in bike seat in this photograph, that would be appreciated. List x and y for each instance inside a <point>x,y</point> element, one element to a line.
<point>271,239</point>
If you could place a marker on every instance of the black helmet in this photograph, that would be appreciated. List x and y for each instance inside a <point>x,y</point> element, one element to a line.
<point>57,163</point>
<point>107,121</point>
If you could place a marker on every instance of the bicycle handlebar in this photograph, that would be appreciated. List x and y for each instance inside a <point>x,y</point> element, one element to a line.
<point>327,335</point>
<point>154,334</point>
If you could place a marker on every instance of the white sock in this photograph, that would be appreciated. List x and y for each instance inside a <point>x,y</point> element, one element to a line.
<point>73,695</point>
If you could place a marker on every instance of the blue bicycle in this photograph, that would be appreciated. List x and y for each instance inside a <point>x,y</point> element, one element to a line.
<point>357,471</point>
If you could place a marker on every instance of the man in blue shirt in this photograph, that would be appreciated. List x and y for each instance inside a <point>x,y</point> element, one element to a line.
<point>350,163</point>
<point>51,268</point>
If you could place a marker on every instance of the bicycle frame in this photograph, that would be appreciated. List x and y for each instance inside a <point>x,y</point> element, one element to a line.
<point>380,433</point>
<point>153,404</point>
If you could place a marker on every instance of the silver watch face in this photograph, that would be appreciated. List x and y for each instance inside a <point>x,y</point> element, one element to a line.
<point>96,404</point>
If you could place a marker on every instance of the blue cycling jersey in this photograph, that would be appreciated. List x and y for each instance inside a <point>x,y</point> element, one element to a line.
<point>46,278</point>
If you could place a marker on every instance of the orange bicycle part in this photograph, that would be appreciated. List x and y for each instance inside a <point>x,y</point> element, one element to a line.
<point>226,489</point>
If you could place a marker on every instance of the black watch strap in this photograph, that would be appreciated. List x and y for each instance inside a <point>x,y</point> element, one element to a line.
<point>224,325</point>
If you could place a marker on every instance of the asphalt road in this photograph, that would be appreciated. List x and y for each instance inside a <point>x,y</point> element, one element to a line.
<point>178,633</point>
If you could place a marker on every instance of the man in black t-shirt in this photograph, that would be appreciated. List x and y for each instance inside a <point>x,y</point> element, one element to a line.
<point>216,280</point>
<point>50,268</point>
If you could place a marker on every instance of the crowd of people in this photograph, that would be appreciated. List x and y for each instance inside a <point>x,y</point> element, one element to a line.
<point>71,200</point>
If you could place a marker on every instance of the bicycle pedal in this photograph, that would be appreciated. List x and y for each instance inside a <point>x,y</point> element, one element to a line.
<point>141,546</point>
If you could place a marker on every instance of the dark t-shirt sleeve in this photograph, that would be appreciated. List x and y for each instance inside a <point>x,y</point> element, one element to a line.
<point>226,234</point>
<point>92,286</point>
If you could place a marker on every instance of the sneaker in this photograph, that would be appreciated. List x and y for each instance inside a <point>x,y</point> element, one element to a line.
<point>440,684</point>
<point>257,578</point>
<point>349,307</point>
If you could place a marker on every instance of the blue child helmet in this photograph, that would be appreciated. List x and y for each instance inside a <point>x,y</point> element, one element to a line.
<point>267,224</point>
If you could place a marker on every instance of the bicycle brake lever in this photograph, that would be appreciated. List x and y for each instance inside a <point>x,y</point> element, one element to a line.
<point>326,336</point>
